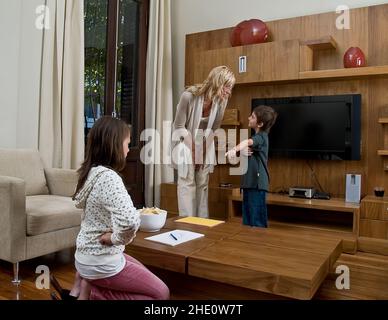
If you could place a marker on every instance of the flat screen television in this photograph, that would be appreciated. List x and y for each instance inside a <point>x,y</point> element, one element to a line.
<point>315,127</point>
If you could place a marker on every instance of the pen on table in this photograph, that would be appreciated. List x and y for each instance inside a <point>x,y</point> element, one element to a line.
<point>175,238</point>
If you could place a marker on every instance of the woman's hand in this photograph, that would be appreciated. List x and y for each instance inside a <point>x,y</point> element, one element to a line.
<point>246,152</point>
<point>105,239</point>
<point>231,154</point>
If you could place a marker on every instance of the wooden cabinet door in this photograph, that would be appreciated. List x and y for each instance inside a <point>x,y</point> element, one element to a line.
<point>272,61</point>
<point>265,62</point>
<point>205,61</point>
<point>374,228</point>
<point>374,209</point>
<point>371,210</point>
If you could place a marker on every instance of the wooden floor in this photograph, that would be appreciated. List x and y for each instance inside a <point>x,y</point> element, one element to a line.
<point>368,280</point>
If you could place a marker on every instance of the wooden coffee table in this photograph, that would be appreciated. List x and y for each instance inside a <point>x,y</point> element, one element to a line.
<point>287,262</point>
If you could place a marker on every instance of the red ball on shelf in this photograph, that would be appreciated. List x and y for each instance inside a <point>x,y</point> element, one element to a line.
<point>354,58</point>
<point>249,32</point>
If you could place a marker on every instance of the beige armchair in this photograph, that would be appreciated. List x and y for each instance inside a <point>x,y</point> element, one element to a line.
<point>37,214</point>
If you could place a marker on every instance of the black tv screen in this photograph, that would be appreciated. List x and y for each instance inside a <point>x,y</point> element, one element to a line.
<point>315,127</point>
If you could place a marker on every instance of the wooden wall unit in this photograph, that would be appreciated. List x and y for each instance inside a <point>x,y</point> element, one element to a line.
<point>263,61</point>
<point>293,65</point>
<point>383,152</point>
<point>374,217</point>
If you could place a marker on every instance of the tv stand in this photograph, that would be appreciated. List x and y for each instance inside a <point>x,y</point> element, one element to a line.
<point>332,215</point>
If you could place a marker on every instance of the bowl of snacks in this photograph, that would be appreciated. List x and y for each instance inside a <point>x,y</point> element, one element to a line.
<point>152,219</point>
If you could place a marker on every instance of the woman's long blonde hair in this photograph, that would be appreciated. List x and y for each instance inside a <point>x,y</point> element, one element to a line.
<point>211,88</point>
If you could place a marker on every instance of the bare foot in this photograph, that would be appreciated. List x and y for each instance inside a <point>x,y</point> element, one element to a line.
<point>85,289</point>
<point>75,291</point>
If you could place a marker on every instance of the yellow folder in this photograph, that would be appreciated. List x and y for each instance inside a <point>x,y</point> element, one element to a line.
<point>200,221</point>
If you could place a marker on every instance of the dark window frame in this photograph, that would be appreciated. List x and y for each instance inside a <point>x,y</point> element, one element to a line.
<point>111,60</point>
<point>134,181</point>
<point>111,56</point>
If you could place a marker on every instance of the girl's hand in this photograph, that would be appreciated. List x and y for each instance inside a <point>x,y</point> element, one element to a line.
<point>105,239</point>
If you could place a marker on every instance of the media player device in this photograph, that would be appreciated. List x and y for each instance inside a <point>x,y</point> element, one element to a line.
<point>301,192</point>
<point>321,195</point>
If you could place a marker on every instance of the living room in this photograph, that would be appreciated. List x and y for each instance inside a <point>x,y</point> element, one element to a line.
<point>67,63</point>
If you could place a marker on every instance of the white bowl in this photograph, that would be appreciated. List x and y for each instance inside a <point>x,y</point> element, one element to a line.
<point>152,222</point>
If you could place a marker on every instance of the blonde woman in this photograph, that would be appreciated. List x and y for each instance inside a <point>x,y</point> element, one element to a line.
<point>198,115</point>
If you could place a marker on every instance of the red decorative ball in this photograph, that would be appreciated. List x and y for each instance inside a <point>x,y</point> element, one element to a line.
<point>354,58</point>
<point>249,32</point>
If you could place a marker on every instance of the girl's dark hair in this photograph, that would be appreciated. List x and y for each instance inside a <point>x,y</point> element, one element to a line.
<point>104,147</point>
<point>266,115</point>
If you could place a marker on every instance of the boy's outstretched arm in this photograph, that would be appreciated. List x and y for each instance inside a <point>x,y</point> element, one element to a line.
<point>241,146</point>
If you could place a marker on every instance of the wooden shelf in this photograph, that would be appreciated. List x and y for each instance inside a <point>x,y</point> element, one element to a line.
<point>323,43</point>
<point>383,119</point>
<point>314,225</point>
<point>344,73</point>
<point>382,152</point>
<point>327,42</point>
<point>331,74</point>
<point>334,205</point>
<point>307,48</point>
<point>280,68</point>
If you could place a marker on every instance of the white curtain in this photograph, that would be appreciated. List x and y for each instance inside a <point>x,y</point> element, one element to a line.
<point>61,115</point>
<point>158,95</point>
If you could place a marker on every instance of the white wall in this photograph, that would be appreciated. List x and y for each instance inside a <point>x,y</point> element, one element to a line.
<point>19,73</point>
<point>191,16</point>
<point>9,75</point>
<point>21,45</point>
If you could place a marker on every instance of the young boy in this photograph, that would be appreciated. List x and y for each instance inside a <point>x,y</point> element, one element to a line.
<point>254,182</point>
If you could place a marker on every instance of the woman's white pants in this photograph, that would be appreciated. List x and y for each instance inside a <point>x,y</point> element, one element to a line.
<point>193,193</point>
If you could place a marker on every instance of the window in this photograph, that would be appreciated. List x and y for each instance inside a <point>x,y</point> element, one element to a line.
<point>127,64</point>
<point>115,62</point>
<point>112,54</point>
<point>96,20</point>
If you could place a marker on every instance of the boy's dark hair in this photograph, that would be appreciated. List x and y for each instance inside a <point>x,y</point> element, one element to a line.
<point>266,115</point>
<point>104,147</point>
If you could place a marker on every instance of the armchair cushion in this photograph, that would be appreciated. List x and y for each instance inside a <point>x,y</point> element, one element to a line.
<point>46,213</point>
<point>61,182</point>
<point>26,165</point>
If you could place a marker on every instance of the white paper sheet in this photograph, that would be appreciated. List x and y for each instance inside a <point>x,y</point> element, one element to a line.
<point>181,236</point>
